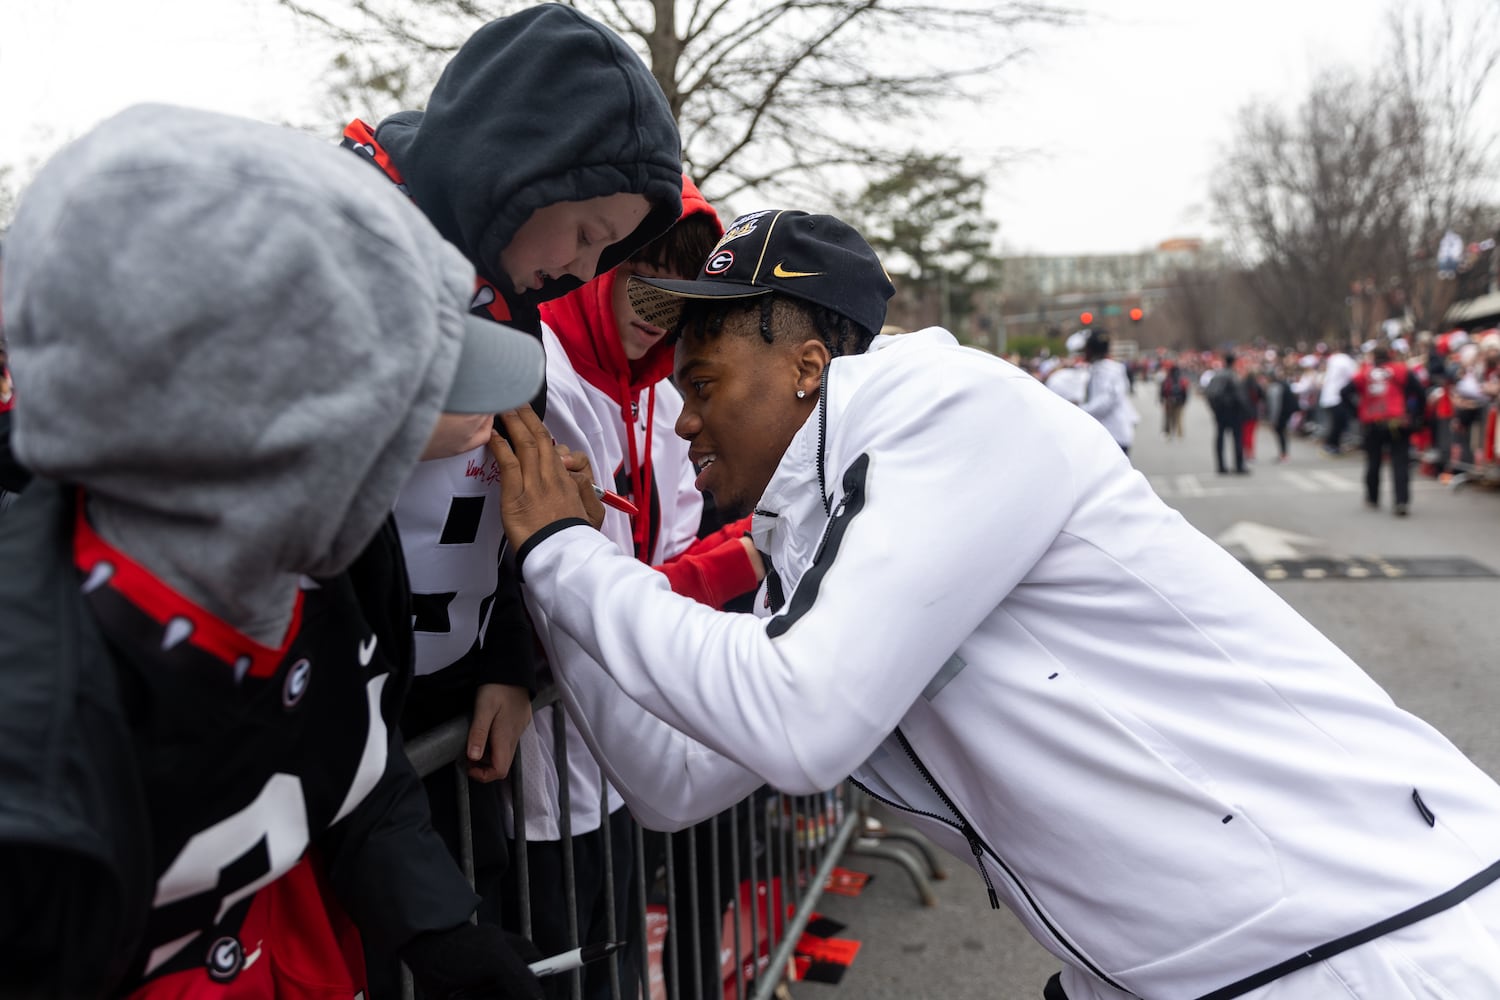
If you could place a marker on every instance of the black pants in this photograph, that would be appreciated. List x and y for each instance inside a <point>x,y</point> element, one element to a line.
<point>1379,439</point>
<point>1338,423</point>
<point>1233,429</point>
<point>549,907</point>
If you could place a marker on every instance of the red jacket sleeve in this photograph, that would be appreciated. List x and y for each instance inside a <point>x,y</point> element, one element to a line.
<point>715,569</point>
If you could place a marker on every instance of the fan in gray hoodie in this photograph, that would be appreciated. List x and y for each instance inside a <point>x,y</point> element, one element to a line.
<point>236,343</point>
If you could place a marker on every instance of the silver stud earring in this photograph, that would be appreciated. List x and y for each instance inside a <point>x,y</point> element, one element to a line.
<point>801,393</point>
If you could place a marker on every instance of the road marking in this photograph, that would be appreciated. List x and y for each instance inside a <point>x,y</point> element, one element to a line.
<point>1300,481</point>
<point>1264,543</point>
<point>1334,481</point>
<point>1370,568</point>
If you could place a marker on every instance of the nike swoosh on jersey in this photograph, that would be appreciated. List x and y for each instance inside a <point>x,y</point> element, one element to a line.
<point>781,272</point>
<point>366,651</point>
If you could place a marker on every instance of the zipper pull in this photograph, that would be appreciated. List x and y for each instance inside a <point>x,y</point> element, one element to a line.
<point>979,857</point>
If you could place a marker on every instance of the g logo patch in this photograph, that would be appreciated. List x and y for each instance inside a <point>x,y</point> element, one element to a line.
<point>296,683</point>
<point>225,959</point>
<point>719,262</point>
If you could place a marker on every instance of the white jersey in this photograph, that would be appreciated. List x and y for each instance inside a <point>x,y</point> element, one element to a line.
<point>990,619</point>
<point>448,514</point>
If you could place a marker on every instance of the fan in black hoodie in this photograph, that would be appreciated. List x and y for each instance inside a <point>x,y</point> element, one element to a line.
<point>547,154</point>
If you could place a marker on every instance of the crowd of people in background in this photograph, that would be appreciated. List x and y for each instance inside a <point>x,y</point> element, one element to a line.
<point>1331,394</point>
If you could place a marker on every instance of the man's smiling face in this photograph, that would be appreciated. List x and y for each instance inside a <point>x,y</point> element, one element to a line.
<point>740,407</point>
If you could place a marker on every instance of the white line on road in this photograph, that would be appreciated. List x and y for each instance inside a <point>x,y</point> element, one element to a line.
<point>1334,481</point>
<point>1300,481</point>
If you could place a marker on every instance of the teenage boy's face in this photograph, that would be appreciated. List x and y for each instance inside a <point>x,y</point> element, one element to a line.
<point>567,237</point>
<point>636,335</point>
<point>457,433</point>
<point>740,407</point>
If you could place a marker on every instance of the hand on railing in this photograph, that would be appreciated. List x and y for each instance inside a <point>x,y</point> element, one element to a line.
<point>501,713</point>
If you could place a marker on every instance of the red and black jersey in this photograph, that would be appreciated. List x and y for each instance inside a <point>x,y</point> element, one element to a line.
<point>247,757</point>
<point>245,753</point>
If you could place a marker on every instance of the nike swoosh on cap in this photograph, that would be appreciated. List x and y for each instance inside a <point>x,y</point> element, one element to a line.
<point>781,272</point>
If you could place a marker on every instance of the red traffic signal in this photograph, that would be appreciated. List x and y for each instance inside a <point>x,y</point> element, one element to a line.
<point>1136,314</point>
<point>1086,318</point>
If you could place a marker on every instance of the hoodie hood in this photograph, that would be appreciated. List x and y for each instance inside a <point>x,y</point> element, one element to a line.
<point>584,321</point>
<point>540,107</point>
<point>237,339</point>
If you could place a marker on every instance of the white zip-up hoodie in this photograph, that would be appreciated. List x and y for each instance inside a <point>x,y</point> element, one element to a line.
<point>1173,779</point>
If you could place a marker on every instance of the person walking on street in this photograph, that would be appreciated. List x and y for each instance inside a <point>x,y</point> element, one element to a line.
<point>1337,371</point>
<point>1250,384</point>
<point>1106,391</point>
<point>1226,398</point>
<point>1281,403</point>
<point>1385,394</point>
<point>1174,396</point>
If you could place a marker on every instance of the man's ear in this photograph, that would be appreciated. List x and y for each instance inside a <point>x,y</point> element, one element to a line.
<point>812,357</point>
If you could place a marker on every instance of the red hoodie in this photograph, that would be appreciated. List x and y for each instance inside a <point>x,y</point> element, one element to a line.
<point>714,569</point>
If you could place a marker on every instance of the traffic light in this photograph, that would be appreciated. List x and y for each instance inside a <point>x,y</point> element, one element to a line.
<point>1086,318</point>
<point>1136,314</point>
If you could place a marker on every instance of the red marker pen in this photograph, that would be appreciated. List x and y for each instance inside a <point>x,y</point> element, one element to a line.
<point>612,499</point>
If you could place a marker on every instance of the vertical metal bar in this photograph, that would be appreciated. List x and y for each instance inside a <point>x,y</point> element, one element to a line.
<point>465,827</point>
<point>518,835</point>
<point>734,875</point>
<point>775,822</point>
<point>606,841</point>
<point>674,929</point>
<point>695,939</point>
<point>754,976</point>
<point>642,947</point>
<point>716,909</point>
<point>565,831</point>
<point>796,831</point>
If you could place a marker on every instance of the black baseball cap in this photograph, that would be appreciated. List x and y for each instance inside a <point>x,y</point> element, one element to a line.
<point>816,258</point>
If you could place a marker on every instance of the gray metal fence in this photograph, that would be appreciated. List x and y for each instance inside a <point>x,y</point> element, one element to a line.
<point>733,893</point>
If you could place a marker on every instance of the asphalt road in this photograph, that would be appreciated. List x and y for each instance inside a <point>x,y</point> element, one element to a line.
<point>1355,573</point>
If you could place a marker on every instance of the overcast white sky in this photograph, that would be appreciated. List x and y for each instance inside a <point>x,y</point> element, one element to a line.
<point>1124,117</point>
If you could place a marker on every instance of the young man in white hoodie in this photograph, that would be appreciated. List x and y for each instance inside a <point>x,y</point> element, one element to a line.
<point>1199,796</point>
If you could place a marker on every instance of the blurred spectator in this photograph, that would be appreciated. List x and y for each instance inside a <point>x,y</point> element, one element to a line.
<point>1338,369</point>
<point>1281,404</point>
<point>1106,390</point>
<point>1225,393</point>
<point>1386,393</point>
<point>1174,396</point>
<point>1250,381</point>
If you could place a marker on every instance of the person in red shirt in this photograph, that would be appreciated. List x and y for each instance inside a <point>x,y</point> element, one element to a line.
<point>1385,394</point>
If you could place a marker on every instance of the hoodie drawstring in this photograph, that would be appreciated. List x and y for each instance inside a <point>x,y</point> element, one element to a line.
<point>640,468</point>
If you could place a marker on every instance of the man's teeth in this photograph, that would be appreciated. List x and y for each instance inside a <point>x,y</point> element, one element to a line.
<point>706,462</point>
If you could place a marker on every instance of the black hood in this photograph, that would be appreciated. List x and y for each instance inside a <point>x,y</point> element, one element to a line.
<point>536,108</point>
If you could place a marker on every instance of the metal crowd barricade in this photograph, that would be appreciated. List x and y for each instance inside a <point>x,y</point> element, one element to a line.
<point>781,850</point>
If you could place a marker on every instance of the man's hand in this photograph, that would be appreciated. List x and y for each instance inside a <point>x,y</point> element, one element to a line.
<point>536,487</point>
<point>501,713</point>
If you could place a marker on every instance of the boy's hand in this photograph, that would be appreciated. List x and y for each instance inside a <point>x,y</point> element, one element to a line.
<point>536,487</point>
<point>501,713</point>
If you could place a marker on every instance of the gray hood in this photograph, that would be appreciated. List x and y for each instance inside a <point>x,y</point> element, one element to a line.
<point>237,339</point>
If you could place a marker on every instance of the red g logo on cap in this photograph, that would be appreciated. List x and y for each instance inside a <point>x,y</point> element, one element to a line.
<point>719,262</point>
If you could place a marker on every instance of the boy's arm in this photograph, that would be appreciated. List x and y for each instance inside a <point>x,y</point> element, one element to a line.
<point>716,569</point>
